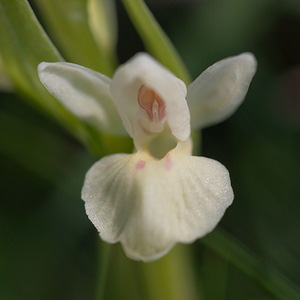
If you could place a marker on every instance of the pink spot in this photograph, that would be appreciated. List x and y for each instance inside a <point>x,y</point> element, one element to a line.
<point>168,163</point>
<point>140,164</point>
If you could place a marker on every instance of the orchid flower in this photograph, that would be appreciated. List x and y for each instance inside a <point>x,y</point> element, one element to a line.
<point>160,194</point>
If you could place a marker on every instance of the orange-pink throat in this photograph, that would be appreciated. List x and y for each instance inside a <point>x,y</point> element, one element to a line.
<point>152,103</point>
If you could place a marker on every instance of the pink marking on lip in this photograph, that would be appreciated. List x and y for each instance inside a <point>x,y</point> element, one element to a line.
<point>168,163</point>
<point>140,164</point>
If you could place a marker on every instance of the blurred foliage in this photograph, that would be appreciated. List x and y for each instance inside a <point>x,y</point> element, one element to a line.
<point>48,246</point>
<point>24,44</point>
<point>155,40</point>
<point>67,22</point>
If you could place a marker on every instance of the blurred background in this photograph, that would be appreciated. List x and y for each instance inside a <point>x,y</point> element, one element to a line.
<point>49,249</point>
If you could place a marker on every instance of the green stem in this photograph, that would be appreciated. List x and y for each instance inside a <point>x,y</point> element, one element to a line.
<point>104,258</point>
<point>155,40</point>
<point>170,278</point>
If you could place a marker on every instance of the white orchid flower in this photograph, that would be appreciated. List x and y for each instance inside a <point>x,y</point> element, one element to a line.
<point>160,194</point>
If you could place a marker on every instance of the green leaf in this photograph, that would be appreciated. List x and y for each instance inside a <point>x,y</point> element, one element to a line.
<point>5,83</point>
<point>103,23</point>
<point>24,45</point>
<point>231,250</point>
<point>68,23</point>
<point>155,40</point>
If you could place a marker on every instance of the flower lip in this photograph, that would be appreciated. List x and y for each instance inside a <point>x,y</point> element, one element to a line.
<point>149,205</point>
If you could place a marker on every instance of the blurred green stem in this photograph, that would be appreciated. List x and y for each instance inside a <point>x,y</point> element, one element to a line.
<point>169,278</point>
<point>172,277</point>
<point>104,258</point>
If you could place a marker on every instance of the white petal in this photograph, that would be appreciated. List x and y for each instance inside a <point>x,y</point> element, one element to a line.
<point>83,92</point>
<point>220,89</point>
<point>149,205</point>
<point>143,69</point>
<point>109,199</point>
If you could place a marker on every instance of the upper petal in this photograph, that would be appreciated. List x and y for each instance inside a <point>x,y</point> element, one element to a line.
<point>142,69</point>
<point>149,204</point>
<point>84,92</point>
<point>220,89</point>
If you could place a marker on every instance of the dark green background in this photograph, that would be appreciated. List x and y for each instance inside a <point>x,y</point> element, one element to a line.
<point>48,247</point>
